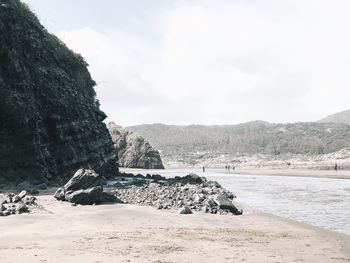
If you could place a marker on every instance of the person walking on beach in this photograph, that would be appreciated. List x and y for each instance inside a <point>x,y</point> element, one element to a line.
<point>336,167</point>
<point>203,169</point>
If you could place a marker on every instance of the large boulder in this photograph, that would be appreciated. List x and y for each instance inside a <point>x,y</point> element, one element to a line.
<point>225,203</point>
<point>50,121</point>
<point>83,179</point>
<point>85,188</point>
<point>85,196</point>
<point>60,194</point>
<point>133,150</point>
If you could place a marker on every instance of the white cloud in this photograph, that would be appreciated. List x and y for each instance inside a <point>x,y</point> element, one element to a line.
<point>223,62</point>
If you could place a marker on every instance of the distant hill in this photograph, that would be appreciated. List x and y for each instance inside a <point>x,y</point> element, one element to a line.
<point>248,138</point>
<point>340,117</point>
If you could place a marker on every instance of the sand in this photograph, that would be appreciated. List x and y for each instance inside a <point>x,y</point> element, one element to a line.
<point>60,232</point>
<point>269,171</point>
<point>341,174</point>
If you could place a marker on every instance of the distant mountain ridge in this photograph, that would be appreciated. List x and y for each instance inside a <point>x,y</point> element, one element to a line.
<point>339,117</point>
<point>248,138</point>
<point>200,144</point>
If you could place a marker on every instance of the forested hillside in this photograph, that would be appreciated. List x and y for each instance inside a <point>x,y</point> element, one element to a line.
<point>248,138</point>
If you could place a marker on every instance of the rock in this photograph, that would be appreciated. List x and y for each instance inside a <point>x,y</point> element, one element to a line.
<point>22,194</point>
<point>6,198</point>
<point>7,212</point>
<point>188,179</point>
<point>84,188</point>
<point>15,204</point>
<point>185,211</point>
<point>83,179</point>
<point>210,206</point>
<point>29,200</point>
<point>133,150</point>
<point>60,194</point>
<point>16,199</point>
<point>21,208</point>
<point>172,193</point>
<point>50,121</point>
<point>85,196</point>
<point>225,203</point>
<point>157,177</point>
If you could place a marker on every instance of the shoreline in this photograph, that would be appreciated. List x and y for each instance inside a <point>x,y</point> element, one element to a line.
<point>129,233</point>
<point>294,172</point>
<point>341,174</point>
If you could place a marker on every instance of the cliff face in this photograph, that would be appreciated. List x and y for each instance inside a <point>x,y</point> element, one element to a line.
<point>50,122</point>
<point>133,150</point>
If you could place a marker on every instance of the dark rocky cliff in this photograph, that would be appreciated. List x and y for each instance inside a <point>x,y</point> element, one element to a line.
<point>133,150</point>
<point>50,122</point>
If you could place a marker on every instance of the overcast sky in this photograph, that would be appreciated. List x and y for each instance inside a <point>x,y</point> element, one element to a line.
<point>209,62</point>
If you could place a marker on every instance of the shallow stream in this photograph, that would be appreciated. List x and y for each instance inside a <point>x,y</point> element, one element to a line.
<point>321,202</point>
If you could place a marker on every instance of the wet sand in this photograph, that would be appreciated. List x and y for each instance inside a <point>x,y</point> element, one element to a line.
<point>273,171</point>
<point>59,232</point>
<point>341,174</point>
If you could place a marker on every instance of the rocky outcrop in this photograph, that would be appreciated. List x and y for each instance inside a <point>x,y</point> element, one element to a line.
<point>186,193</point>
<point>50,121</point>
<point>133,150</point>
<point>84,188</point>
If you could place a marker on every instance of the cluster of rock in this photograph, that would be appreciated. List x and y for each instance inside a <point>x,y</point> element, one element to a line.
<point>189,193</point>
<point>50,121</point>
<point>16,204</point>
<point>133,150</point>
<point>84,188</point>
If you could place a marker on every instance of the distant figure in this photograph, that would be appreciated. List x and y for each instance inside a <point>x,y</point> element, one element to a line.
<point>203,169</point>
<point>336,167</point>
<point>233,168</point>
<point>226,167</point>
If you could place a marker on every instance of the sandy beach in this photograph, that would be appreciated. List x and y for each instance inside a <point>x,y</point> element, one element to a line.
<point>273,171</point>
<point>60,232</point>
<point>341,174</point>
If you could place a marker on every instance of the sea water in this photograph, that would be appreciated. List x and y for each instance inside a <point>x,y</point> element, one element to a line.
<point>321,202</point>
